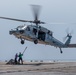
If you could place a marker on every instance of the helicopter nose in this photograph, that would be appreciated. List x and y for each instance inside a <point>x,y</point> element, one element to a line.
<point>12,32</point>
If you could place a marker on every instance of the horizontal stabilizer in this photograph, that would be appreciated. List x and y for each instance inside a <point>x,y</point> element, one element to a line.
<point>71,45</point>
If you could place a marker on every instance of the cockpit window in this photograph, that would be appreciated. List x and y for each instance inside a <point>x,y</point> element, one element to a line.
<point>21,31</point>
<point>24,27</point>
<point>21,27</point>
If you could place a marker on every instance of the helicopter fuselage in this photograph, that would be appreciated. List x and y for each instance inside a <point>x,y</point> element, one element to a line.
<point>36,34</point>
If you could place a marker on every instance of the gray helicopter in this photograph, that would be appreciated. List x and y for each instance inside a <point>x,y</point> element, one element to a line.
<point>38,34</point>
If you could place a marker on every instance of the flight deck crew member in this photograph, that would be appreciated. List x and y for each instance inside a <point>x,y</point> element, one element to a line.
<point>16,56</point>
<point>20,58</point>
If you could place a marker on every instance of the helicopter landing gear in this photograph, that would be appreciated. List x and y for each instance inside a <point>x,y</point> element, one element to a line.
<point>35,41</point>
<point>22,41</point>
<point>61,51</point>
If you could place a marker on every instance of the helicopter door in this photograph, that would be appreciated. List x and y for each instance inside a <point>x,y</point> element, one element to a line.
<point>34,31</point>
<point>41,35</point>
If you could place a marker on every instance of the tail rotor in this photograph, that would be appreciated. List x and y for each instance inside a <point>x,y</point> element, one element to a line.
<point>69,34</point>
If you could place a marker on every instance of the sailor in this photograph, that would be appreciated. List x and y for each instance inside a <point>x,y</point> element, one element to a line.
<point>20,58</point>
<point>16,57</point>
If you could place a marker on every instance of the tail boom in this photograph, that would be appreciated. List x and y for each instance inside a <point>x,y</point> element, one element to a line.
<point>71,46</point>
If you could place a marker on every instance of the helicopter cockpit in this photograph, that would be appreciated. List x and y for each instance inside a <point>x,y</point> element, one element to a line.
<point>19,29</point>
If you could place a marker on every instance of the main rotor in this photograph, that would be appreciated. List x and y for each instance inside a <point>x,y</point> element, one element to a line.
<point>36,11</point>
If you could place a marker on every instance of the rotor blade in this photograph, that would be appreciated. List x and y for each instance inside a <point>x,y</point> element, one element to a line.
<point>16,19</point>
<point>36,11</point>
<point>62,23</point>
<point>42,22</point>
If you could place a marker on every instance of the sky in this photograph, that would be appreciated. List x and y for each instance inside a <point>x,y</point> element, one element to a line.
<point>59,15</point>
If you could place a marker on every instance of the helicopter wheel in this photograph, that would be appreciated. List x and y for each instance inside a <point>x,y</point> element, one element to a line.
<point>35,41</point>
<point>22,41</point>
<point>61,51</point>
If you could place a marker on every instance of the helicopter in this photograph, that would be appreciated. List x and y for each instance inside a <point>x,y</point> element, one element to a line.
<point>37,33</point>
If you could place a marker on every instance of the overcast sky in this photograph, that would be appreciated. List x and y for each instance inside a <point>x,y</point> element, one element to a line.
<point>53,11</point>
